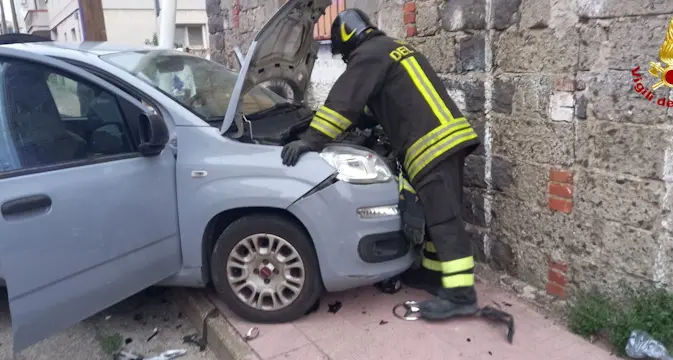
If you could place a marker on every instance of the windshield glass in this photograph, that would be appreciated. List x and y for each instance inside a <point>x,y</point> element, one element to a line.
<point>202,86</point>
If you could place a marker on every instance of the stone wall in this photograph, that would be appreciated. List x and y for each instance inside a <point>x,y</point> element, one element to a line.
<point>572,186</point>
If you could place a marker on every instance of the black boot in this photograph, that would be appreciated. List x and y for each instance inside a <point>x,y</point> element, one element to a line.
<point>450,303</point>
<point>422,279</point>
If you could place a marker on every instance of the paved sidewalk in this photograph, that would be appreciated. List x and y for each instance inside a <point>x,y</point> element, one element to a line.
<point>365,329</point>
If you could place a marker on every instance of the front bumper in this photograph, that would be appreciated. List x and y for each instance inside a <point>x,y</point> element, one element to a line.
<point>354,250</point>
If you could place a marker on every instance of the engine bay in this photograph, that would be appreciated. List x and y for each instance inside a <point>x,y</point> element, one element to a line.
<point>286,123</point>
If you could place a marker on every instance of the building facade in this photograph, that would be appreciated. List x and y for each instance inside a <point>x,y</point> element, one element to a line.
<point>126,21</point>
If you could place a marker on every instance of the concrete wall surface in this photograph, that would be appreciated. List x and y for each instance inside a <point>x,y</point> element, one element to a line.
<point>573,185</point>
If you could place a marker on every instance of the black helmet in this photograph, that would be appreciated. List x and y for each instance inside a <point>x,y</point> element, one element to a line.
<point>348,29</point>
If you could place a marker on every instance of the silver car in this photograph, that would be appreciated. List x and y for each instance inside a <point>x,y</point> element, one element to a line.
<point>123,168</point>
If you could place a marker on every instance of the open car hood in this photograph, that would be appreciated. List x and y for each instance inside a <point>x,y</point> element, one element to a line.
<point>284,49</point>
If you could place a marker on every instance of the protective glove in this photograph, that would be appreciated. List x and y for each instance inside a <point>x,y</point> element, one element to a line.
<point>294,150</point>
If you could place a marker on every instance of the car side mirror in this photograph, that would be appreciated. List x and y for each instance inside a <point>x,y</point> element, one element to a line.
<point>153,134</point>
<point>107,140</point>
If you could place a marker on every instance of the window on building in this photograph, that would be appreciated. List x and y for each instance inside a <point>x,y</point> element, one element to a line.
<point>65,36</point>
<point>323,29</point>
<point>73,34</point>
<point>189,36</point>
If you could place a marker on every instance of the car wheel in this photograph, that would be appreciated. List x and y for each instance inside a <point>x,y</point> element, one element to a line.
<point>265,269</point>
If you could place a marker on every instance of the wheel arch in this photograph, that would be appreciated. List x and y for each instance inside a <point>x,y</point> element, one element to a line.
<point>221,221</point>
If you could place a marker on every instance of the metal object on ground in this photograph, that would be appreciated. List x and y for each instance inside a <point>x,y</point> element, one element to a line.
<point>252,334</point>
<point>412,311</point>
<point>264,269</point>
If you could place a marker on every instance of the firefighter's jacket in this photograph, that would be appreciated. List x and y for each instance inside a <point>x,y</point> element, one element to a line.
<point>396,84</point>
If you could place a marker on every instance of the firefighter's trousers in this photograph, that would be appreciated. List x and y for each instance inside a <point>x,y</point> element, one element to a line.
<point>441,195</point>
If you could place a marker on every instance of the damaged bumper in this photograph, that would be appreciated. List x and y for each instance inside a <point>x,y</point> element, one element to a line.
<point>357,233</point>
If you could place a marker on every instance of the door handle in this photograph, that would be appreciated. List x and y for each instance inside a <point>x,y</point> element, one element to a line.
<point>28,205</point>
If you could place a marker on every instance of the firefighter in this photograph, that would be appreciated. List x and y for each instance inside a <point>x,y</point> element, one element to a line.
<point>405,95</point>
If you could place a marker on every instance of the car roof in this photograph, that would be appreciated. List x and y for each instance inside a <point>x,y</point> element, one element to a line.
<point>75,49</point>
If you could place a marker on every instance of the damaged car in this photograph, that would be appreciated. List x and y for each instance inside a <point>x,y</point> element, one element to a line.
<point>123,168</point>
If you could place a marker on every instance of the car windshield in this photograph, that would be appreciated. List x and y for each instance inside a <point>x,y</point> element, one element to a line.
<point>202,86</point>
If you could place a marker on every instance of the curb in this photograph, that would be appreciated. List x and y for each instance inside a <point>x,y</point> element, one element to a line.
<point>222,338</point>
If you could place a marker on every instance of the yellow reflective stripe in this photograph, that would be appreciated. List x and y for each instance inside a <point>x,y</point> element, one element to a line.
<point>454,266</point>
<point>325,127</point>
<point>367,111</point>
<point>334,117</point>
<point>440,148</point>
<point>428,91</point>
<point>404,184</point>
<point>430,247</point>
<point>430,264</point>
<point>460,280</point>
<point>431,138</point>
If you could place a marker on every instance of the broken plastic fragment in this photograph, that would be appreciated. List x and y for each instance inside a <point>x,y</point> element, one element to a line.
<point>641,346</point>
<point>252,334</point>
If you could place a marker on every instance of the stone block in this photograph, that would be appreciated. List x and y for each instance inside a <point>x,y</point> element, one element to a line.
<point>594,46</point>
<point>524,139</point>
<point>470,97</point>
<point>523,94</point>
<point>427,18</point>
<point>537,51</point>
<point>522,181</point>
<point>503,257</point>
<point>615,8</point>
<point>248,4</point>
<point>615,246</point>
<point>216,23</point>
<point>562,106</point>
<point>368,6</point>
<point>502,170</point>
<point>478,123</point>
<point>623,148</point>
<point>213,7</point>
<point>535,14</point>
<point>628,201</point>
<point>464,15</point>
<point>217,41</point>
<point>503,95</point>
<point>610,96</point>
<point>476,235</point>
<point>505,13</point>
<point>473,207</point>
<point>390,19</point>
<point>635,41</point>
<point>471,53</point>
<point>474,176</point>
<point>533,233</point>
<point>440,51</point>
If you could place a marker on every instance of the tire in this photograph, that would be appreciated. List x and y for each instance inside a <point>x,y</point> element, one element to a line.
<point>223,269</point>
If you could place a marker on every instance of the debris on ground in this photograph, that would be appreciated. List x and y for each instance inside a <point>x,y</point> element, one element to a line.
<point>166,355</point>
<point>390,286</point>
<point>194,339</point>
<point>643,346</point>
<point>252,334</point>
<point>334,307</point>
<point>155,332</point>
<point>382,322</point>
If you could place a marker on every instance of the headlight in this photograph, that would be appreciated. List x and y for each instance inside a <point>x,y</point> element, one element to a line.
<point>357,165</point>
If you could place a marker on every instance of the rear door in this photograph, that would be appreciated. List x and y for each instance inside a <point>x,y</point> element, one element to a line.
<point>86,221</point>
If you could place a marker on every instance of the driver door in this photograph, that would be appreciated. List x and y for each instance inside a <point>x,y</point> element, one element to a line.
<point>86,221</point>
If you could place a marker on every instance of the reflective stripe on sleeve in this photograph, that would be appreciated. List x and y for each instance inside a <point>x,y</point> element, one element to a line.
<point>325,127</point>
<point>333,117</point>
<point>428,91</point>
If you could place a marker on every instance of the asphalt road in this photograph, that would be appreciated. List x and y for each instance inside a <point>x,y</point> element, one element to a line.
<point>127,325</point>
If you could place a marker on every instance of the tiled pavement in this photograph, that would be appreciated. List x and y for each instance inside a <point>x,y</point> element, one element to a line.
<point>365,329</point>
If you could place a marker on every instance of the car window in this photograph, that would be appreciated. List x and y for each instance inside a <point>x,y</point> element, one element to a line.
<point>200,85</point>
<point>51,118</point>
